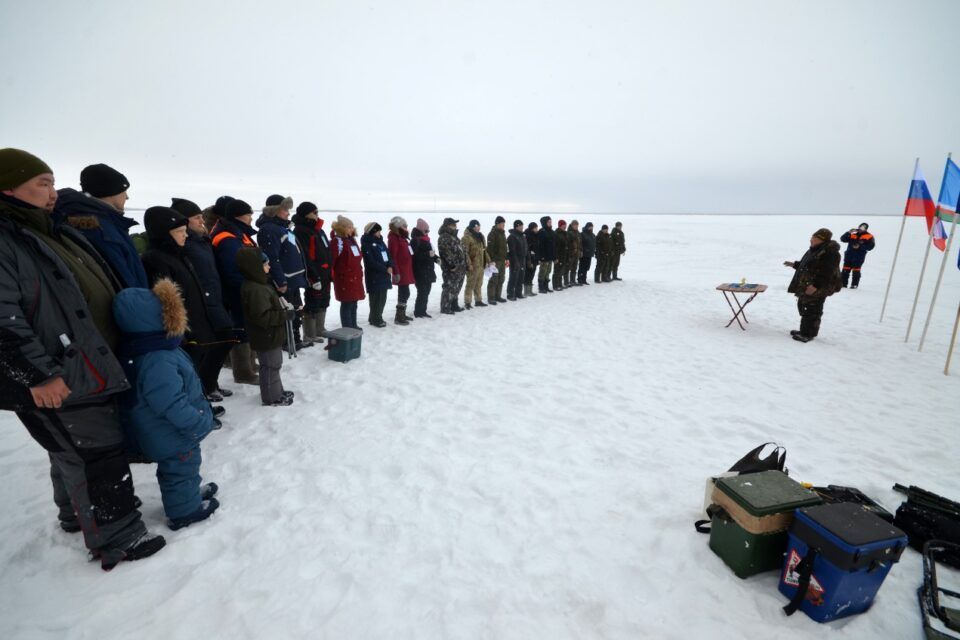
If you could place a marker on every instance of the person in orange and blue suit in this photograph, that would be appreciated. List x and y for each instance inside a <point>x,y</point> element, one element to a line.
<point>859,241</point>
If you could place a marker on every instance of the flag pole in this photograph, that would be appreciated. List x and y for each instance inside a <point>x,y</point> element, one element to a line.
<point>923,269</point>
<point>953,341</point>
<point>936,289</point>
<point>896,252</point>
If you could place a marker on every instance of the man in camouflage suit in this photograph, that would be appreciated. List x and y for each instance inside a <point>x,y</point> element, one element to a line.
<point>453,266</point>
<point>497,250</point>
<point>475,248</point>
<point>574,251</point>
<point>604,251</point>
<point>817,276</point>
<point>619,248</point>
<point>561,267</point>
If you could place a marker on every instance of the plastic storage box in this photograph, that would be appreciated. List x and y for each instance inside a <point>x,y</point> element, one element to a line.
<point>343,344</point>
<point>749,531</point>
<point>852,550</point>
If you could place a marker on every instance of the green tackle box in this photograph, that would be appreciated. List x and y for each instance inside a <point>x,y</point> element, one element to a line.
<point>749,529</point>
<point>343,344</point>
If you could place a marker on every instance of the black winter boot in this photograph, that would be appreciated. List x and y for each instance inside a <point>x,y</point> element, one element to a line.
<point>399,318</point>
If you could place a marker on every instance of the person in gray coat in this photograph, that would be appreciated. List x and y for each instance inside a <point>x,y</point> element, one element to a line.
<point>57,368</point>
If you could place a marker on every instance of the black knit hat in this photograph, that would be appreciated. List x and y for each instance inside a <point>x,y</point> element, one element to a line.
<point>186,208</point>
<point>237,208</point>
<point>102,181</point>
<point>220,207</point>
<point>499,220</point>
<point>306,208</point>
<point>604,227</point>
<point>518,223</point>
<point>17,167</point>
<point>532,225</point>
<point>159,221</point>
<point>473,223</point>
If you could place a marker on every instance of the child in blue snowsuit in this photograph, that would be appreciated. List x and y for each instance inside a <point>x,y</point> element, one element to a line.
<point>165,413</point>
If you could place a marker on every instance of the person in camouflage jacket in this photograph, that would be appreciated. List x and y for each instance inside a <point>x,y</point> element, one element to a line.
<point>475,248</point>
<point>574,251</point>
<point>497,250</point>
<point>453,266</point>
<point>817,277</point>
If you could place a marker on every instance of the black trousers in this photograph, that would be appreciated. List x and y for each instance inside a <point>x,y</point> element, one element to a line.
<point>515,283</point>
<point>403,293</point>
<point>91,479</point>
<point>529,273</point>
<point>208,360</point>
<point>811,310</point>
<point>584,268</point>
<point>423,295</point>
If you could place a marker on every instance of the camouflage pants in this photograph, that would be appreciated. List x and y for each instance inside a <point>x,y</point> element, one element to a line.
<point>495,283</point>
<point>546,268</point>
<point>811,311</point>
<point>474,286</point>
<point>559,270</point>
<point>572,268</point>
<point>452,282</point>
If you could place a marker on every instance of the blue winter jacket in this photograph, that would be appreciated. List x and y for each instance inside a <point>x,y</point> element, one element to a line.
<point>165,413</point>
<point>107,230</point>
<point>278,242</point>
<point>376,259</point>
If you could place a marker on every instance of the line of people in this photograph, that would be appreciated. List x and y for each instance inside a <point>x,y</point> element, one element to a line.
<point>113,343</point>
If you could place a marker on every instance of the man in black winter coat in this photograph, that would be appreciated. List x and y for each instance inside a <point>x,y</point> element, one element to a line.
<point>532,235</point>
<point>589,248</point>
<point>209,337</point>
<point>199,250</point>
<point>308,228</point>
<point>548,253</point>
<point>817,276</point>
<point>57,370</point>
<point>517,257</point>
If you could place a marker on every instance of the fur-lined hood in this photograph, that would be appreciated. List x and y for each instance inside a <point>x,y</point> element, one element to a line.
<point>141,311</point>
<point>272,210</point>
<point>341,224</point>
<point>84,212</point>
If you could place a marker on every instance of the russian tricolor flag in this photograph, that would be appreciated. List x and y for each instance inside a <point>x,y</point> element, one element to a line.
<point>919,201</point>
<point>946,203</point>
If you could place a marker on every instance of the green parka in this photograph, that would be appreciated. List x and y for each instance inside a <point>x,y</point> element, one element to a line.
<point>265,317</point>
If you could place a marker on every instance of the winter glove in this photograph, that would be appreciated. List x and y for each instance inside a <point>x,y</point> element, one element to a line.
<point>317,286</point>
<point>396,278</point>
<point>286,306</point>
<point>289,314</point>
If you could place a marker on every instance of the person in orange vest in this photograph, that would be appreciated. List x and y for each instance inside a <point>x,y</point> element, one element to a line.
<point>859,241</point>
<point>232,233</point>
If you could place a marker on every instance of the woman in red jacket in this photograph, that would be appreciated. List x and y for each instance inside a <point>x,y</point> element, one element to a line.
<point>347,266</point>
<point>399,244</point>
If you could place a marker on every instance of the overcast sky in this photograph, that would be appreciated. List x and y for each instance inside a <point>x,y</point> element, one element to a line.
<point>670,106</point>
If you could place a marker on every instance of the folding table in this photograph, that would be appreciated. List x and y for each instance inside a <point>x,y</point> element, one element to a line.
<point>733,289</point>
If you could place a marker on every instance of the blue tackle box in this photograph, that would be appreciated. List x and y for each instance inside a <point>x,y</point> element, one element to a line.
<point>838,555</point>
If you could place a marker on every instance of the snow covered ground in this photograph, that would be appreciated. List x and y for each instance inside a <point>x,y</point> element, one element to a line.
<point>531,470</point>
